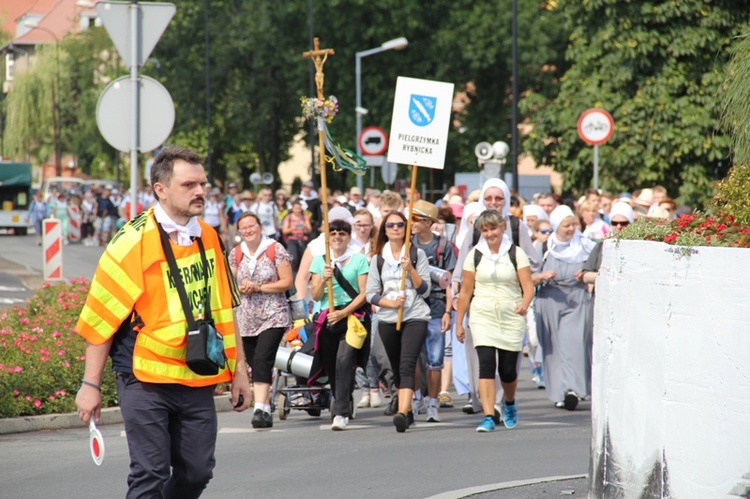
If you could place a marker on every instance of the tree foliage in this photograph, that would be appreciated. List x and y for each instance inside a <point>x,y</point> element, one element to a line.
<point>85,66</point>
<point>657,67</point>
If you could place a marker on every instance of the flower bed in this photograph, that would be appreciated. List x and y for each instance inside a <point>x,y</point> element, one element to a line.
<point>41,357</point>
<point>694,229</point>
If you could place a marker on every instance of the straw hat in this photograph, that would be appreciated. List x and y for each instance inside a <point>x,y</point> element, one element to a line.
<point>426,209</point>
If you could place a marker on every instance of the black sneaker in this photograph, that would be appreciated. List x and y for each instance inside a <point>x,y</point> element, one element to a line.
<point>392,407</point>
<point>409,419</point>
<point>571,400</point>
<point>268,419</point>
<point>400,422</point>
<point>258,419</point>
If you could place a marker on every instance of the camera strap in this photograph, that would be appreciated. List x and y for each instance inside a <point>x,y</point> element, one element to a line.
<point>180,286</point>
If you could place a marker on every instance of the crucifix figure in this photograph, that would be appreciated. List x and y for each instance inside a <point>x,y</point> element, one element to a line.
<point>319,57</point>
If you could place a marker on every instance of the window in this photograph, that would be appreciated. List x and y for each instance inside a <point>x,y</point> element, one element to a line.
<point>10,66</point>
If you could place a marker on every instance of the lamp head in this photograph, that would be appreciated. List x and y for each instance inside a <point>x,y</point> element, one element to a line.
<point>361,111</point>
<point>396,44</point>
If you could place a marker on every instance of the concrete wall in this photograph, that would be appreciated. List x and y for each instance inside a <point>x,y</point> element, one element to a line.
<point>671,377</point>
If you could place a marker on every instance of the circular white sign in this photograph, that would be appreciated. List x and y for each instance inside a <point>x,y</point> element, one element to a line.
<point>114,114</point>
<point>373,141</point>
<point>595,126</point>
<point>388,171</point>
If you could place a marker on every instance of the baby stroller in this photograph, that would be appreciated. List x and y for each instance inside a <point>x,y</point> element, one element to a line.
<point>294,365</point>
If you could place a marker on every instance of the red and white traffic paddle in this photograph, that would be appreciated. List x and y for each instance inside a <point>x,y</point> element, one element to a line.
<point>96,443</point>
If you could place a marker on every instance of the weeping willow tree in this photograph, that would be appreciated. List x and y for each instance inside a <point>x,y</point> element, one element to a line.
<point>29,131</point>
<point>733,191</point>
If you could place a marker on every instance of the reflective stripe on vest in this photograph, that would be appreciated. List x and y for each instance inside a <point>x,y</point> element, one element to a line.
<point>134,273</point>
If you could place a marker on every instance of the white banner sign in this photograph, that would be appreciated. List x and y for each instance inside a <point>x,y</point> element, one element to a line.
<point>419,127</point>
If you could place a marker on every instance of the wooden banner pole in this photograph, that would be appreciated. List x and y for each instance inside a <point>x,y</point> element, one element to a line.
<point>407,240</point>
<point>319,57</point>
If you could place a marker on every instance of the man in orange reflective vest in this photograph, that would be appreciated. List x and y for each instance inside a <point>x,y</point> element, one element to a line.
<point>168,410</point>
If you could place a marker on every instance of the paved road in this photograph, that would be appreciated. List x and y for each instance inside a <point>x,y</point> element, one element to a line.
<point>21,265</point>
<point>301,457</point>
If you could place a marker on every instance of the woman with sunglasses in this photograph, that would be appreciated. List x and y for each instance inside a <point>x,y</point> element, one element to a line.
<point>336,354</point>
<point>563,312</point>
<point>383,289</point>
<point>263,271</point>
<point>620,216</point>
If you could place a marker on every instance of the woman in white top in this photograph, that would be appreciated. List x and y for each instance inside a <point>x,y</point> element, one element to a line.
<point>212,212</point>
<point>500,291</point>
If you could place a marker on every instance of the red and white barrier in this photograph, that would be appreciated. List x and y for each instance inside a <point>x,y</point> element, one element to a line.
<point>74,224</point>
<point>52,244</point>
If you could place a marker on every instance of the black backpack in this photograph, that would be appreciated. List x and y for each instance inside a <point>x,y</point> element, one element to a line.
<point>412,254</point>
<point>514,224</point>
<point>511,255</point>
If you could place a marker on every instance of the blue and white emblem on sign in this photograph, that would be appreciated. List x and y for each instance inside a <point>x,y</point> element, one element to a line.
<point>422,109</point>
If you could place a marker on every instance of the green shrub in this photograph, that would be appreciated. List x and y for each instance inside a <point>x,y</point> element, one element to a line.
<point>41,356</point>
<point>732,194</point>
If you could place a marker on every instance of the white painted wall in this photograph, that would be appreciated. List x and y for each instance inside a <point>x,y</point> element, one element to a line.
<point>671,370</point>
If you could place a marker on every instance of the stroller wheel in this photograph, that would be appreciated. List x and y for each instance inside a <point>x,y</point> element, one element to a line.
<point>284,409</point>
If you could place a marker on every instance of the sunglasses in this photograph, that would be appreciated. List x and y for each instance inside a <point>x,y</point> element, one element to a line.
<point>395,225</point>
<point>546,231</point>
<point>419,219</point>
<point>489,199</point>
<point>339,233</point>
<point>620,224</point>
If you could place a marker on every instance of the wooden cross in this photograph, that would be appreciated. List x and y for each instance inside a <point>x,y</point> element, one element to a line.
<point>319,57</point>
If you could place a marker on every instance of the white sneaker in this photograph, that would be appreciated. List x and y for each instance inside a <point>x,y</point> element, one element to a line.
<point>365,400</point>
<point>339,423</point>
<point>375,398</point>
<point>432,414</point>
<point>418,406</point>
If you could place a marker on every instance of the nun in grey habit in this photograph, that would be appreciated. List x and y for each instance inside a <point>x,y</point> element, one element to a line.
<point>563,312</point>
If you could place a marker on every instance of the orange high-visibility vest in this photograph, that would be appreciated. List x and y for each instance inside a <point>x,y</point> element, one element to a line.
<point>133,273</point>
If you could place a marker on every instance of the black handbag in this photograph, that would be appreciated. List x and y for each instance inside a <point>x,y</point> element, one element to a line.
<point>205,346</point>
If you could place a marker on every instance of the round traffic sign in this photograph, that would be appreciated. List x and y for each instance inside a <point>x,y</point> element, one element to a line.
<point>373,141</point>
<point>114,114</point>
<point>595,126</point>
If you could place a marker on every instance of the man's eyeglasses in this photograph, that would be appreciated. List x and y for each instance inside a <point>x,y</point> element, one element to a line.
<point>340,233</point>
<point>620,224</point>
<point>546,231</point>
<point>419,219</point>
<point>489,199</point>
<point>395,225</point>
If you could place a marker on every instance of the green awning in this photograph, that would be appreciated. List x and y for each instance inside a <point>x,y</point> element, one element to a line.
<point>15,174</point>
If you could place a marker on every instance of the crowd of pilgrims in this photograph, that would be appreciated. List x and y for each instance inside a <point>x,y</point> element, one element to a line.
<point>489,278</point>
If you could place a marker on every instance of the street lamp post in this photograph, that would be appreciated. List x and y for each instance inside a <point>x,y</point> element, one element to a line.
<point>395,44</point>
<point>56,99</point>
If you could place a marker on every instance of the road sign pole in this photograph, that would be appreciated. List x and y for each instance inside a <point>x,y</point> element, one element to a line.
<point>596,167</point>
<point>135,109</point>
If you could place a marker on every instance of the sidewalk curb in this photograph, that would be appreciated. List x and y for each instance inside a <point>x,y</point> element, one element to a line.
<point>110,415</point>
<point>482,489</point>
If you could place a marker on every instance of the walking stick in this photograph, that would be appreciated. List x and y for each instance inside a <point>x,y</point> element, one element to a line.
<point>407,241</point>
